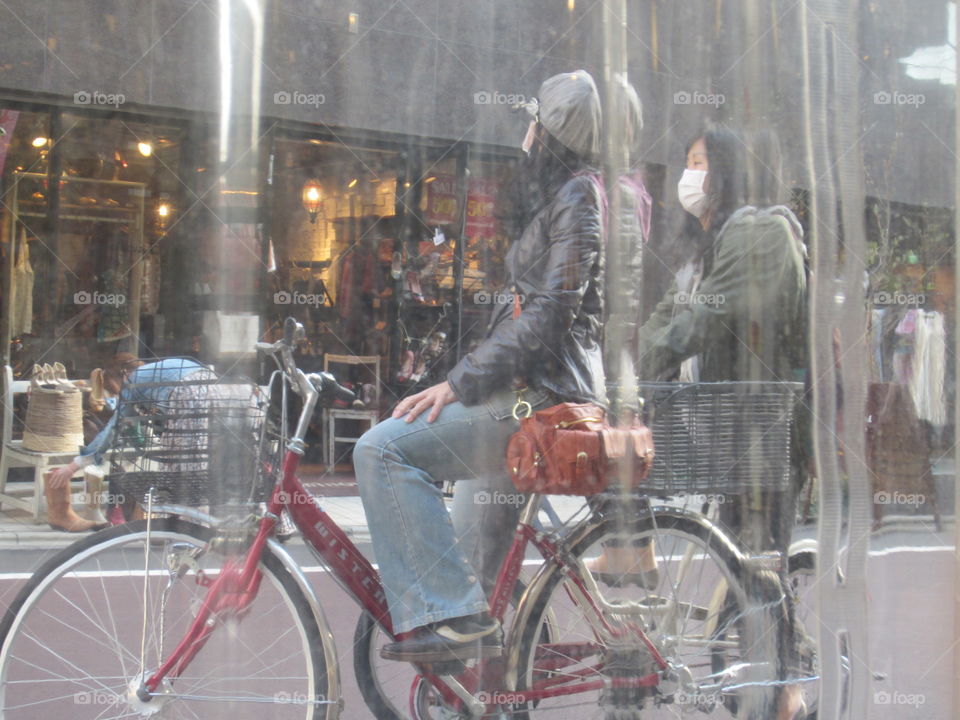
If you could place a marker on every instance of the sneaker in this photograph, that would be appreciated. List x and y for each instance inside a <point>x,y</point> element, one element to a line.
<point>462,638</point>
<point>618,567</point>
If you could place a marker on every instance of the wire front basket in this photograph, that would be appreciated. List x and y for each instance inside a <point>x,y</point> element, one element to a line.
<point>191,437</point>
<point>719,438</point>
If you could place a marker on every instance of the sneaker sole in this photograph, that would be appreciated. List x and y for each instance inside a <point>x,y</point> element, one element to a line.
<point>647,579</point>
<point>467,652</point>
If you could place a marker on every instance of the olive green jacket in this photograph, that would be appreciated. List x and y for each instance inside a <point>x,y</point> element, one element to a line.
<point>747,319</point>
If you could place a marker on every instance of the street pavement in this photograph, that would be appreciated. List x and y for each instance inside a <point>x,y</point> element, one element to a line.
<point>910,572</point>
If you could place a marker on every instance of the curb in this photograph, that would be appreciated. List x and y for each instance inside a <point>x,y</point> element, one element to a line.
<point>41,540</point>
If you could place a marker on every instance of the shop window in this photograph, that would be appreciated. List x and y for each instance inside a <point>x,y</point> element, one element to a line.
<point>93,237</point>
<point>333,239</point>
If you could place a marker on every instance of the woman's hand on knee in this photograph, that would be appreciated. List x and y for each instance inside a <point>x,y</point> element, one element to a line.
<point>434,398</point>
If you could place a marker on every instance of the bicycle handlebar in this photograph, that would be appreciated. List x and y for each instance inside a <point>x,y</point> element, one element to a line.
<point>322,383</point>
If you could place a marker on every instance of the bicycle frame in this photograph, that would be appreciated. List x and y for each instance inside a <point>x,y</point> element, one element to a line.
<point>231,593</point>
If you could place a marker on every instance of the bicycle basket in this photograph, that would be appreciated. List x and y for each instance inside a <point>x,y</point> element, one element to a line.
<point>713,438</point>
<point>193,441</point>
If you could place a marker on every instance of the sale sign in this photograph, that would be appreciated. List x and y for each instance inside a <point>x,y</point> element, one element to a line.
<point>442,205</point>
<point>442,201</point>
<point>481,194</point>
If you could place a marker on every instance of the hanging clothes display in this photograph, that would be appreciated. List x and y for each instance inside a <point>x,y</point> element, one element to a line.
<point>929,368</point>
<point>114,314</point>
<point>878,371</point>
<point>21,294</point>
<point>903,351</point>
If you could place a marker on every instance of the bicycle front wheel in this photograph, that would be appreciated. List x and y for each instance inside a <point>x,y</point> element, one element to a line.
<point>102,615</point>
<point>694,609</point>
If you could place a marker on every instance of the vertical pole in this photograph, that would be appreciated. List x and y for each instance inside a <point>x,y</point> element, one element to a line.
<point>956,402</point>
<point>463,193</point>
<point>615,162</point>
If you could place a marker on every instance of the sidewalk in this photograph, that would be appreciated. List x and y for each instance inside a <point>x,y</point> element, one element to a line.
<point>336,493</point>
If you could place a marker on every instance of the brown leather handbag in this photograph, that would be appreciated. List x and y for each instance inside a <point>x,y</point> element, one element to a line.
<point>570,449</point>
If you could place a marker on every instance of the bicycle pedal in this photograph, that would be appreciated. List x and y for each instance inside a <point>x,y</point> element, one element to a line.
<point>447,667</point>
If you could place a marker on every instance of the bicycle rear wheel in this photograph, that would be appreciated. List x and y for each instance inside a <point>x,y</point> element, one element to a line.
<point>394,690</point>
<point>696,609</point>
<point>102,615</point>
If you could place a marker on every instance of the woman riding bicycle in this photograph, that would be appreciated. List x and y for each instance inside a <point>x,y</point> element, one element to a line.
<point>547,339</point>
<point>742,313</point>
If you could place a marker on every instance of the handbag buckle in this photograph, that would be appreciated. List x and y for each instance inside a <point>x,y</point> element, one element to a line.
<point>522,409</point>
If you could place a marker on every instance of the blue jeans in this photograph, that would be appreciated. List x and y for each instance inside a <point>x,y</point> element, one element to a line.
<point>430,570</point>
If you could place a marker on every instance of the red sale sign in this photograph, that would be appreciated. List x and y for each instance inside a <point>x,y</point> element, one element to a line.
<point>481,194</point>
<point>442,201</point>
<point>442,205</point>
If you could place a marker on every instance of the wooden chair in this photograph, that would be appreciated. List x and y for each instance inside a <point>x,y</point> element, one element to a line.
<point>371,416</point>
<point>13,455</point>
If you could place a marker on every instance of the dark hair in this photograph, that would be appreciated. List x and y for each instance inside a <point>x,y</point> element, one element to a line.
<point>726,191</point>
<point>536,180</point>
<point>763,168</point>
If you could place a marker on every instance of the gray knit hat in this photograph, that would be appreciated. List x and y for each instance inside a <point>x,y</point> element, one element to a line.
<point>569,109</point>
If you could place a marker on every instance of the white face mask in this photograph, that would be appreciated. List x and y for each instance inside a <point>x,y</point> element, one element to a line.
<point>690,191</point>
<point>529,137</point>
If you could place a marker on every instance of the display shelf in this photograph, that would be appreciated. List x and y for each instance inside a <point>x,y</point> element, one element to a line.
<point>25,205</point>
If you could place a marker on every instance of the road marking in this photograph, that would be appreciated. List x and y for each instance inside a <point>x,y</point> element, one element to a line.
<point>320,569</point>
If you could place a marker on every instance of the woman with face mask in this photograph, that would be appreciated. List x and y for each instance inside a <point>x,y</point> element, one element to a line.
<point>736,311</point>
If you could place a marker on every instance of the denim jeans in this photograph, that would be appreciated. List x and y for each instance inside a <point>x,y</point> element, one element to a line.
<point>427,572</point>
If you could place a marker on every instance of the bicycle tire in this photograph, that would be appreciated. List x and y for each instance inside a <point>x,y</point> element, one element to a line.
<point>669,528</point>
<point>369,673</point>
<point>91,595</point>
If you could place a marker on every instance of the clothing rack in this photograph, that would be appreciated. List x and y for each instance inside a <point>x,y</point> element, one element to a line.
<point>22,207</point>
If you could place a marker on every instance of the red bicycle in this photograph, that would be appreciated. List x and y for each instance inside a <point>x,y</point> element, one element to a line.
<point>184,615</point>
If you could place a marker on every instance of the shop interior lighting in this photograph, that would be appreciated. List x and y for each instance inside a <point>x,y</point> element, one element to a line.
<point>352,183</point>
<point>145,148</point>
<point>312,198</point>
<point>40,141</point>
<point>163,210</point>
<point>429,179</point>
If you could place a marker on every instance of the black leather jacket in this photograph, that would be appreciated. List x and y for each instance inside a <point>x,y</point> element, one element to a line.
<point>555,343</point>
